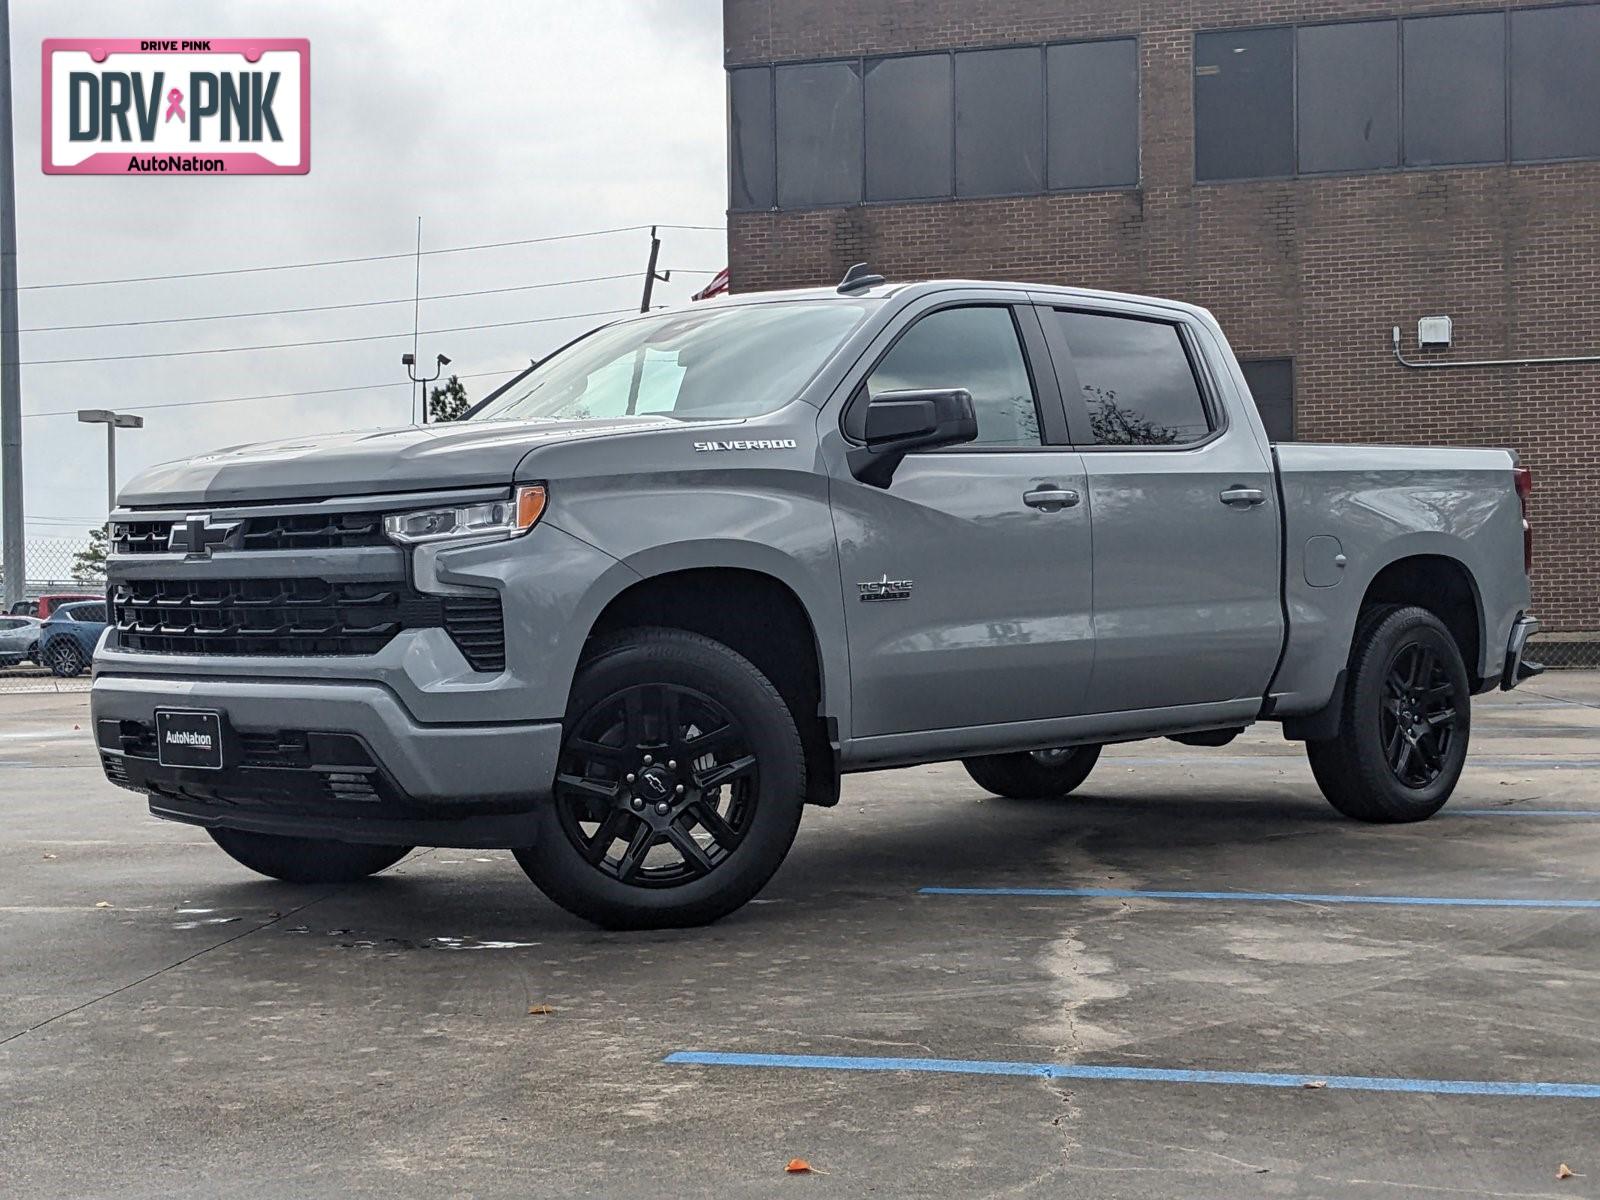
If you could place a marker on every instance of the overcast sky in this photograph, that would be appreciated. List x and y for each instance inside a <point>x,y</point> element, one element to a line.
<point>493,120</point>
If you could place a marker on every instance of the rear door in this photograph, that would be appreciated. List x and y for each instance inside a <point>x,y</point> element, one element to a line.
<point>1184,511</point>
<point>968,581</point>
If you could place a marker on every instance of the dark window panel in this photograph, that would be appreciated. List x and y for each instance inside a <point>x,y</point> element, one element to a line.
<point>972,348</point>
<point>1555,82</point>
<point>1137,381</point>
<point>1092,114</point>
<point>1271,383</point>
<point>819,134</point>
<point>1348,84</point>
<point>1244,104</point>
<point>750,161</point>
<point>1455,85</point>
<point>999,122</point>
<point>909,115</point>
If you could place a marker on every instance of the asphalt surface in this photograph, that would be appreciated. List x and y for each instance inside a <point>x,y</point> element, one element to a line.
<point>171,1026</point>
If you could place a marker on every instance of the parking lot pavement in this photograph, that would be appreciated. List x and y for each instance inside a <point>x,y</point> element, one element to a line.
<point>171,1026</point>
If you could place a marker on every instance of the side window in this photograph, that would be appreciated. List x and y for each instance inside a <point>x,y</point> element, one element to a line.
<point>1137,381</point>
<point>972,348</point>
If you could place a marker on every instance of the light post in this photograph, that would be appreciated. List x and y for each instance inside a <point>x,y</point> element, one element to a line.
<point>113,421</point>
<point>409,361</point>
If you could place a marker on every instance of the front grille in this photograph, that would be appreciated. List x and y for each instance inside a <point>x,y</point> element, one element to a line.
<point>308,531</point>
<point>297,618</point>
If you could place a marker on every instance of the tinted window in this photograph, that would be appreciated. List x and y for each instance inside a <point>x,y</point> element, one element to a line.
<point>819,134</point>
<point>750,161</point>
<point>86,612</point>
<point>1555,82</point>
<point>972,348</point>
<point>1136,380</point>
<point>1349,96</point>
<point>1455,89</point>
<point>999,122</point>
<point>1271,383</point>
<point>1092,98</point>
<point>909,115</point>
<point>1244,104</point>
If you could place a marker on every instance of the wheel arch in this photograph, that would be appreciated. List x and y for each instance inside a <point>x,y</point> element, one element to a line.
<point>1442,584</point>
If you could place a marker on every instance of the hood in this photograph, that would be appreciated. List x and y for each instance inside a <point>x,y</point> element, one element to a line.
<point>412,459</point>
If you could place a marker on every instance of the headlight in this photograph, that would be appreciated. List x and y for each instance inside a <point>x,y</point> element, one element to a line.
<point>469,522</point>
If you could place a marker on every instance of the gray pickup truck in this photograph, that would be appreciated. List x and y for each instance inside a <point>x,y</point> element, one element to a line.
<point>632,615</point>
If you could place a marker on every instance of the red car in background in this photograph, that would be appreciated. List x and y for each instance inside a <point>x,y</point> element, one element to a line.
<point>45,605</point>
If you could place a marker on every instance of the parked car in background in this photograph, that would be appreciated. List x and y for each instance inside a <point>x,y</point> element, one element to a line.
<point>48,604</point>
<point>19,640</point>
<point>67,639</point>
<point>25,608</point>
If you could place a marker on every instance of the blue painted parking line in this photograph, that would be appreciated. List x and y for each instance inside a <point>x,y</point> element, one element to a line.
<point>1244,760</point>
<point>959,1066</point>
<point>1279,897</point>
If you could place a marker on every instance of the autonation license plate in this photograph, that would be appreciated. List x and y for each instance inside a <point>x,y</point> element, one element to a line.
<point>189,738</point>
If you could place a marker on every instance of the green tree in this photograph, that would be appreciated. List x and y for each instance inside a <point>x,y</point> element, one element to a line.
<point>448,403</point>
<point>90,562</point>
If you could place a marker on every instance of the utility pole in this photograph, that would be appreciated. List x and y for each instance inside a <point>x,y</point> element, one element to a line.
<point>651,275</point>
<point>11,547</point>
<point>416,316</point>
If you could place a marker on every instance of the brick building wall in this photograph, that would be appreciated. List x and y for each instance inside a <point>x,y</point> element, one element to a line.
<point>1315,269</point>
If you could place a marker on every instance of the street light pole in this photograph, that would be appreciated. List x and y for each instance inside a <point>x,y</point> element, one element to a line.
<point>409,362</point>
<point>11,544</point>
<point>113,421</point>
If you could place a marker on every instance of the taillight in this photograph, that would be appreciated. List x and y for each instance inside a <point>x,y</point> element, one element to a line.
<point>1523,478</point>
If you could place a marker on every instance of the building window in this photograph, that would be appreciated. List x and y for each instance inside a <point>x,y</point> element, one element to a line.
<point>1455,89</point>
<point>1136,380</point>
<point>973,348</point>
<point>1555,83</point>
<point>750,154</point>
<point>1426,91</point>
<point>1100,78</point>
<point>1271,383</point>
<point>910,123</point>
<point>1347,88</point>
<point>819,134</point>
<point>1002,122</point>
<point>1244,104</point>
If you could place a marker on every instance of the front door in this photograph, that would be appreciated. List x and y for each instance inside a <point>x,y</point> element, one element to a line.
<point>968,581</point>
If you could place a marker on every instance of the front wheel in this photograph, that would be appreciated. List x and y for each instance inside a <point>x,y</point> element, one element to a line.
<point>679,788</point>
<point>1033,772</point>
<point>64,659</point>
<point>306,860</point>
<point>1403,732</point>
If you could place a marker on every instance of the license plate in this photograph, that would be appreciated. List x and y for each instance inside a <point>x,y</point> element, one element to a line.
<point>189,738</point>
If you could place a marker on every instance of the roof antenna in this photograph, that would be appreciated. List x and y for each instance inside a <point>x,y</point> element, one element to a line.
<point>858,278</point>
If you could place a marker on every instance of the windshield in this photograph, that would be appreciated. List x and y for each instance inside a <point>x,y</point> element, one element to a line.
<point>721,362</point>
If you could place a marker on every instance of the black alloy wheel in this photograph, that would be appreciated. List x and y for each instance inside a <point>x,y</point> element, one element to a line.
<point>658,786</point>
<point>1418,716</point>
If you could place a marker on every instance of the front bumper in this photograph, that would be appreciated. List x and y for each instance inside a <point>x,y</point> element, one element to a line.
<point>1517,667</point>
<point>341,760</point>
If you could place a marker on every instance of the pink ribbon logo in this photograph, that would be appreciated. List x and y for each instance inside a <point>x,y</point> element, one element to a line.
<point>175,105</point>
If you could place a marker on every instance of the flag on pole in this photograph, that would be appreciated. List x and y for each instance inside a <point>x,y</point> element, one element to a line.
<point>717,287</point>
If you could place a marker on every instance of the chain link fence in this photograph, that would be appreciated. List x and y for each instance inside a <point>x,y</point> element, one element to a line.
<point>58,569</point>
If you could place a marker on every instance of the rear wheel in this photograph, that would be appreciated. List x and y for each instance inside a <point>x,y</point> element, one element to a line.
<point>1405,724</point>
<point>679,789</point>
<point>1033,772</point>
<point>64,659</point>
<point>306,860</point>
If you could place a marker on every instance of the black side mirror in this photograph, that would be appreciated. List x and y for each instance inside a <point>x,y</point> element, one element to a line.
<point>898,423</point>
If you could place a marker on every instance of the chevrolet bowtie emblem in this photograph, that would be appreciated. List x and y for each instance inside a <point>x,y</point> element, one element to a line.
<point>201,536</point>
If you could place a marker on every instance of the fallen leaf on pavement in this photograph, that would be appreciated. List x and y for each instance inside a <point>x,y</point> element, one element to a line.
<point>798,1166</point>
<point>540,1010</point>
<point>1314,1083</point>
<point>102,904</point>
<point>1565,1172</point>
<point>48,856</point>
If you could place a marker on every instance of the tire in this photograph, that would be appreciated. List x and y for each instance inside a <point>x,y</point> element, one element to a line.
<point>1401,746</point>
<point>1033,773</point>
<point>306,860</point>
<point>64,659</point>
<point>679,789</point>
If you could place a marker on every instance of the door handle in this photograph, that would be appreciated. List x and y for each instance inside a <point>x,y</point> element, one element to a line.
<point>1050,499</point>
<point>1243,497</point>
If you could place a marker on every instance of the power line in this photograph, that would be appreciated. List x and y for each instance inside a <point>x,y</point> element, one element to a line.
<point>366,258</point>
<point>371,337</point>
<point>360,387</point>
